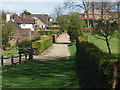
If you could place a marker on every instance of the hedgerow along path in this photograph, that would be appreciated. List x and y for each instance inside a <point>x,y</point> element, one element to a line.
<point>58,50</point>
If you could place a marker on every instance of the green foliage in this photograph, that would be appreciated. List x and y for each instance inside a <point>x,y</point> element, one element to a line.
<point>7,34</point>
<point>3,16</point>
<point>63,22</point>
<point>25,44</point>
<point>42,44</point>
<point>36,39</point>
<point>74,27</point>
<point>25,12</point>
<point>48,32</point>
<point>101,44</point>
<point>105,29</point>
<point>72,23</point>
<point>94,63</point>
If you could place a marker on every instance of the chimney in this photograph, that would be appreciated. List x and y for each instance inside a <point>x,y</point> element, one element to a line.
<point>24,15</point>
<point>7,16</point>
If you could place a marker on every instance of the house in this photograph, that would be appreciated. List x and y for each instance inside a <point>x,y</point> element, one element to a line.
<point>42,20</point>
<point>23,23</point>
<point>114,16</point>
<point>97,16</point>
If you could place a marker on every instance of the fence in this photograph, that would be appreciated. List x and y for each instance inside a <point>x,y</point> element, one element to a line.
<point>11,60</point>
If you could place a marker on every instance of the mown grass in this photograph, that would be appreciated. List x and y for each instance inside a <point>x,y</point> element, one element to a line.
<point>101,44</point>
<point>37,74</point>
<point>10,52</point>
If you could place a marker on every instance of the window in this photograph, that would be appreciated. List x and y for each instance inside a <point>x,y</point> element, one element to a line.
<point>99,15</point>
<point>13,17</point>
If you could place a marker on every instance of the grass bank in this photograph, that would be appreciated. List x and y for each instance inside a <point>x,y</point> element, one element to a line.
<point>101,44</point>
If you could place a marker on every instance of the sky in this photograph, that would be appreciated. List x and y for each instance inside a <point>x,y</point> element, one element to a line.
<point>33,7</point>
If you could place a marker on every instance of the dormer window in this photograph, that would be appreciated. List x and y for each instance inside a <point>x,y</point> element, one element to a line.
<point>13,17</point>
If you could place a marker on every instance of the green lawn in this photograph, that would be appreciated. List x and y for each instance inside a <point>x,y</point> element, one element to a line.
<point>38,74</point>
<point>10,52</point>
<point>102,44</point>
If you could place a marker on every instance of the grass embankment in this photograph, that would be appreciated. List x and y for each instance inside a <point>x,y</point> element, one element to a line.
<point>37,74</point>
<point>101,44</point>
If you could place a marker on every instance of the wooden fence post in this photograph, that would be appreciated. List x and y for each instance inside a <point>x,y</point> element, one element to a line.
<point>25,57</point>
<point>29,56</point>
<point>12,60</point>
<point>20,58</point>
<point>2,62</point>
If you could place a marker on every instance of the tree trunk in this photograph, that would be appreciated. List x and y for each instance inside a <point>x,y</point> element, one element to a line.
<point>87,19</point>
<point>118,3</point>
<point>108,46</point>
<point>102,10</point>
<point>93,14</point>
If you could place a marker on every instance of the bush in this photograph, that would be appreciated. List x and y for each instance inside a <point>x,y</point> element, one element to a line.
<point>42,44</point>
<point>25,44</point>
<point>48,32</point>
<point>94,65</point>
<point>36,39</point>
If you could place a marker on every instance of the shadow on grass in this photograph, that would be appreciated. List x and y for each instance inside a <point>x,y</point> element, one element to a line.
<point>40,74</point>
<point>91,68</point>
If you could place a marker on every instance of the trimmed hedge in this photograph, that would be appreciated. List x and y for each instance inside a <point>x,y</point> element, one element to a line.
<point>47,32</point>
<point>94,65</point>
<point>42,44</point>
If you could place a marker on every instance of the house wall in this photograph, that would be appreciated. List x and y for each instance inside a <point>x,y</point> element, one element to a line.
<point>29,26</point>
<point>7,17</point>
<point>40,24</point>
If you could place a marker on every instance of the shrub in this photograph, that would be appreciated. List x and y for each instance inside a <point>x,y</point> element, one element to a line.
<point>48,32</point>
<point>42,44</point>
<point>25,44</point>
<point>36,39</point>
<point>94,64</point>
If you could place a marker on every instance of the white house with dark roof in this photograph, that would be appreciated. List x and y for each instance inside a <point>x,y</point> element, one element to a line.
<point>41,19</point>
<point>22,22</point>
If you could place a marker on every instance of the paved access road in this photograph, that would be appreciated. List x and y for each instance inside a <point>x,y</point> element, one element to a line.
<point>56,51</point>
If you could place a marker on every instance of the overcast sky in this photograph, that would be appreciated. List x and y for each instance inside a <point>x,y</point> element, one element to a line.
<point>33,7</point>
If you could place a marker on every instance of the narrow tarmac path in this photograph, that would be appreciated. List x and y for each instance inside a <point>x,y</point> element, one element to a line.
<point>57,51</point>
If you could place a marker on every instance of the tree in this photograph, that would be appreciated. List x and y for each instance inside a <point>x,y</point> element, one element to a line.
<point>3,16</point>
<point>7,34</point>
<point>58,11</point>
<point>25,12</point>
<point>63,22</point>
<point>72,23</point>
<point>74,26</point>
<point>104,30</point>
<point>85,5</point>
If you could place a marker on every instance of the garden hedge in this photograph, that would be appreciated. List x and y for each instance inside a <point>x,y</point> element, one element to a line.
<point>94,65</point>
<point>48,32</point>
<point>42,44</point>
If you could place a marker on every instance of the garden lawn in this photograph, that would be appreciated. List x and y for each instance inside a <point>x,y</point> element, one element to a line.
<point>101,44</point>
<point>38,74</point>
<point>10,52</point>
